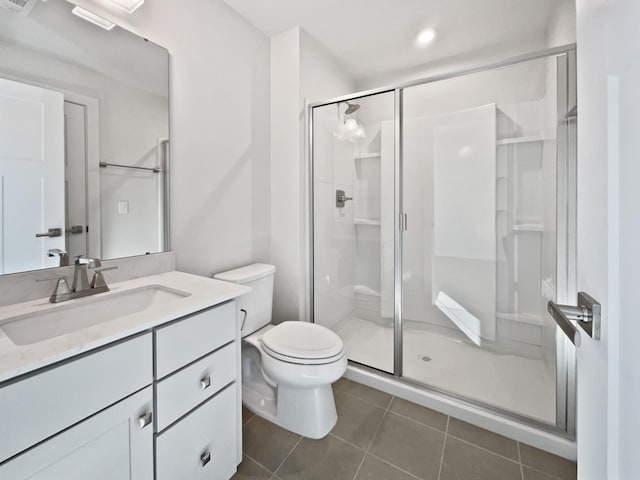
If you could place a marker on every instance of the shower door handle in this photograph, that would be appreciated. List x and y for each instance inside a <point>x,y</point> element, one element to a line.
<point>587,314</point>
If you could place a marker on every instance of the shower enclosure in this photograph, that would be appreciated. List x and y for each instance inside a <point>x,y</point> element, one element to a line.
<point>442,223</point>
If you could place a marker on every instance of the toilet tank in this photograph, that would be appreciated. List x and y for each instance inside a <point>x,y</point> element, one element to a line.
<point>258,303</point>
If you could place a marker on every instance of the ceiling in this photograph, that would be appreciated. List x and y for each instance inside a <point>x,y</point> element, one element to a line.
<point>376,37</point>
<point>51,30</point>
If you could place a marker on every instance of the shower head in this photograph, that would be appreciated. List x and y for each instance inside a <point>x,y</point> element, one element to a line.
<point>351,108</point>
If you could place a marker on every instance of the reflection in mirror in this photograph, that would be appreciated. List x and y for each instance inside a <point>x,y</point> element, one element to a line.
<point>84,131</point>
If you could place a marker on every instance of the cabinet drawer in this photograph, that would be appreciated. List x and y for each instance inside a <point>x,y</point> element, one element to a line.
<point>182,391</point>
<point>44,404</point>
<point>195,336</point>
<point>208,432</point>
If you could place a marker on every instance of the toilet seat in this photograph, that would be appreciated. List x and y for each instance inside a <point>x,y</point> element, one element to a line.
<point>302,343</point>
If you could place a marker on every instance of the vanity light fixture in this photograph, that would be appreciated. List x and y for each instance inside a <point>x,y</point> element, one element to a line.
<point>426,37</point>
<point>128,6</point>
<point>93,18</point>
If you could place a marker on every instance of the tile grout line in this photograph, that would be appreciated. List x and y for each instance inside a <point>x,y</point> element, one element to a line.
<point>444,445</point>
<point>520,460</point>
<point>258,463</point>
<point>366,452</point>
<point>522,465</point>
<point>285,458</point>
<point>388,409</point>
<point>330,434</point>
<point>248,421</point>
<point>361,399</point>
<point>419,423</point>
<point>483,449</point>
<point>394,466</point>
<point>550,475</point>
<point>374,455</point>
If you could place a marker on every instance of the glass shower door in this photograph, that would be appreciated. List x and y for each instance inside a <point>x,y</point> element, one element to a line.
<point>479,254</point>
<point>353,227</point>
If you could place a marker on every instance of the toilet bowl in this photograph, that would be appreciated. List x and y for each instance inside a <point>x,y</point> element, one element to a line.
<point>287,369</point>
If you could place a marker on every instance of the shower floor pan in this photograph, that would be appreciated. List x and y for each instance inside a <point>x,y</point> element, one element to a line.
<point>525,386</point>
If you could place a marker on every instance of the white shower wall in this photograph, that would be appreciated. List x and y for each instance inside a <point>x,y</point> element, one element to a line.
<point>449,196</point>
<point>334,268</point>
<point>522,95</point>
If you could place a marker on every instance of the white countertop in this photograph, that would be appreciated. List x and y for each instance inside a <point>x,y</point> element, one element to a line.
<point>19,359</point>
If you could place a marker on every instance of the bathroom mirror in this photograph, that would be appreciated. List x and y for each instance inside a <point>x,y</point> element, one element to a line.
<point>84,132</point>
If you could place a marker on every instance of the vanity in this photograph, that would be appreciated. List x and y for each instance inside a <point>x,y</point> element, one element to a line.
<point>141,382</point>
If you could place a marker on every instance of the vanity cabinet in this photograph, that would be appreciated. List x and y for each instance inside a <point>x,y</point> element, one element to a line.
<point>165,401</point>
<point>198,396</point>
<point>116,443</point>
<point>41,405</point>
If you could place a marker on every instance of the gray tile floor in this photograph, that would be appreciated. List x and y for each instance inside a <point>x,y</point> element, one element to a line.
<point>380,437</point>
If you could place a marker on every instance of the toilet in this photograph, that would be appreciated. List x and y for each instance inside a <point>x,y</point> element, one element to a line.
<point>287,369</point>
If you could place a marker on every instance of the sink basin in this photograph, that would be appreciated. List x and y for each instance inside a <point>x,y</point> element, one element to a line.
<point>86,312</point>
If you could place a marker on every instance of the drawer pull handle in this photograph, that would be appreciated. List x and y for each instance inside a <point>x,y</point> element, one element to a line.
<point>205,382</point>
<point>145,419</point>
<point>205,457</point>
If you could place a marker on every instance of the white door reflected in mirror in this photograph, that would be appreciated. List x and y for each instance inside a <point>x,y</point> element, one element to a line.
<point>31,175</point>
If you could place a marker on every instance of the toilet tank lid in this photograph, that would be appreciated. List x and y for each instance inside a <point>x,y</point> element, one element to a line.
<point>246,274</point>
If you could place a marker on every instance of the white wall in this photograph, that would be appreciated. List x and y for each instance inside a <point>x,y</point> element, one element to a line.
<point>562,25</point>
<point>220,200</point>
<point>608,257</point>
<point>300,70</point>
<point>286,176</point>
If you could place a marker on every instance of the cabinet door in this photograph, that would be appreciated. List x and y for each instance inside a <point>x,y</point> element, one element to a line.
<point>115,444</point>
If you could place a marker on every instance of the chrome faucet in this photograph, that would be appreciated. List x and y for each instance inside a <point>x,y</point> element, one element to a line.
<point>56,252</point>
<point>80,275</point>
<point>81,287</point>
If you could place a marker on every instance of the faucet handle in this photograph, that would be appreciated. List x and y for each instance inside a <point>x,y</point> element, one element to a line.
<point>61,287</point>
<point>89,262</point>
<point>61,291</point>
<point>106,269</point>
<point>98,279</point>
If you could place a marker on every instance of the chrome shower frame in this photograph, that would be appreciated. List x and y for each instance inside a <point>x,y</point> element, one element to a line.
<point>566,378</point>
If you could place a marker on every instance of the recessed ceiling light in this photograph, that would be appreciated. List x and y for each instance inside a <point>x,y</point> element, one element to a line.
<point>93,18</point>
<point>128,6</point>
<point>425,37</point>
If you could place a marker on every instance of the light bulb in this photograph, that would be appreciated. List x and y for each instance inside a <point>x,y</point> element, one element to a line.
<point>351,124</point>
<point>425,37</point>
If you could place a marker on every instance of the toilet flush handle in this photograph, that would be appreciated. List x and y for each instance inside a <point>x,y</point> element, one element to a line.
<point>244,318</point>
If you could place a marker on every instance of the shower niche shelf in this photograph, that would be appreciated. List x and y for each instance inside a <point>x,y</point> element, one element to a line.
<point>528,227</point>
<point>367,221</point>
<point>368,156</point>
<point>520,140</point>
<point>364,290</point>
